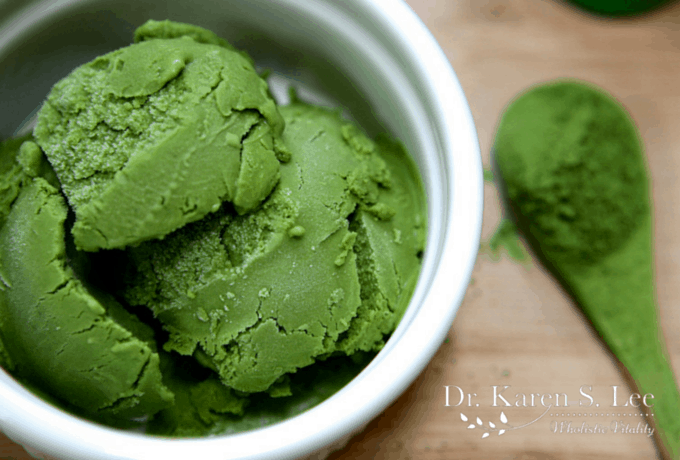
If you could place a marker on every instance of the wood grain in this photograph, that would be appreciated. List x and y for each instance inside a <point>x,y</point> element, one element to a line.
<point>516,327</point>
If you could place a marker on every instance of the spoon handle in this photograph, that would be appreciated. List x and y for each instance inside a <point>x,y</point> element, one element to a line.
<point>618,296</point>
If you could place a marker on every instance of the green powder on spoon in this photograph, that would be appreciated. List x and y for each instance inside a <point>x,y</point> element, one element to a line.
<point>575,176</point>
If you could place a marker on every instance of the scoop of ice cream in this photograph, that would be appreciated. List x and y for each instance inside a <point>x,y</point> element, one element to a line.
<point>153,136</point>
<point>326,265</point>
<point>75,344</point>
<point>20,161</point>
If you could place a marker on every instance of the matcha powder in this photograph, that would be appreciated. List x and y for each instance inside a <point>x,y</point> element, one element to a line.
<point>572,163</point>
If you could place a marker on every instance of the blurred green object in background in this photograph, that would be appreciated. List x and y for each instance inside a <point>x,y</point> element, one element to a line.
<point>619,7</point>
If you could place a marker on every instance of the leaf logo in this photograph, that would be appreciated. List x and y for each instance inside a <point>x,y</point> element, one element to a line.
<point>491,427</point>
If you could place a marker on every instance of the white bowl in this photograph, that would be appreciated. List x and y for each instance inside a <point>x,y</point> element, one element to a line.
<point>373,57</point>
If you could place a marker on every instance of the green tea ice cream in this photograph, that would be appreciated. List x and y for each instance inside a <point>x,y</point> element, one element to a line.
<point>55,332</point>
<point>325,265</point>
<point>158,134</point>
<point>175,246</point>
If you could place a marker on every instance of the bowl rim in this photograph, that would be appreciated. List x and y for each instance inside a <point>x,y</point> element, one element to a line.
<point>392,371</point>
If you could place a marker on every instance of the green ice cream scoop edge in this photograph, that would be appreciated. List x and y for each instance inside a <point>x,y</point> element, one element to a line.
<point>59,336</point>
<point>573,166</point>
<point>153,29</point>
<point>21,160</point>
<point>158,134</point>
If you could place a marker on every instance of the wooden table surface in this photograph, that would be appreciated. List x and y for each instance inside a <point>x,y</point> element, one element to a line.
<point>515,327</point>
